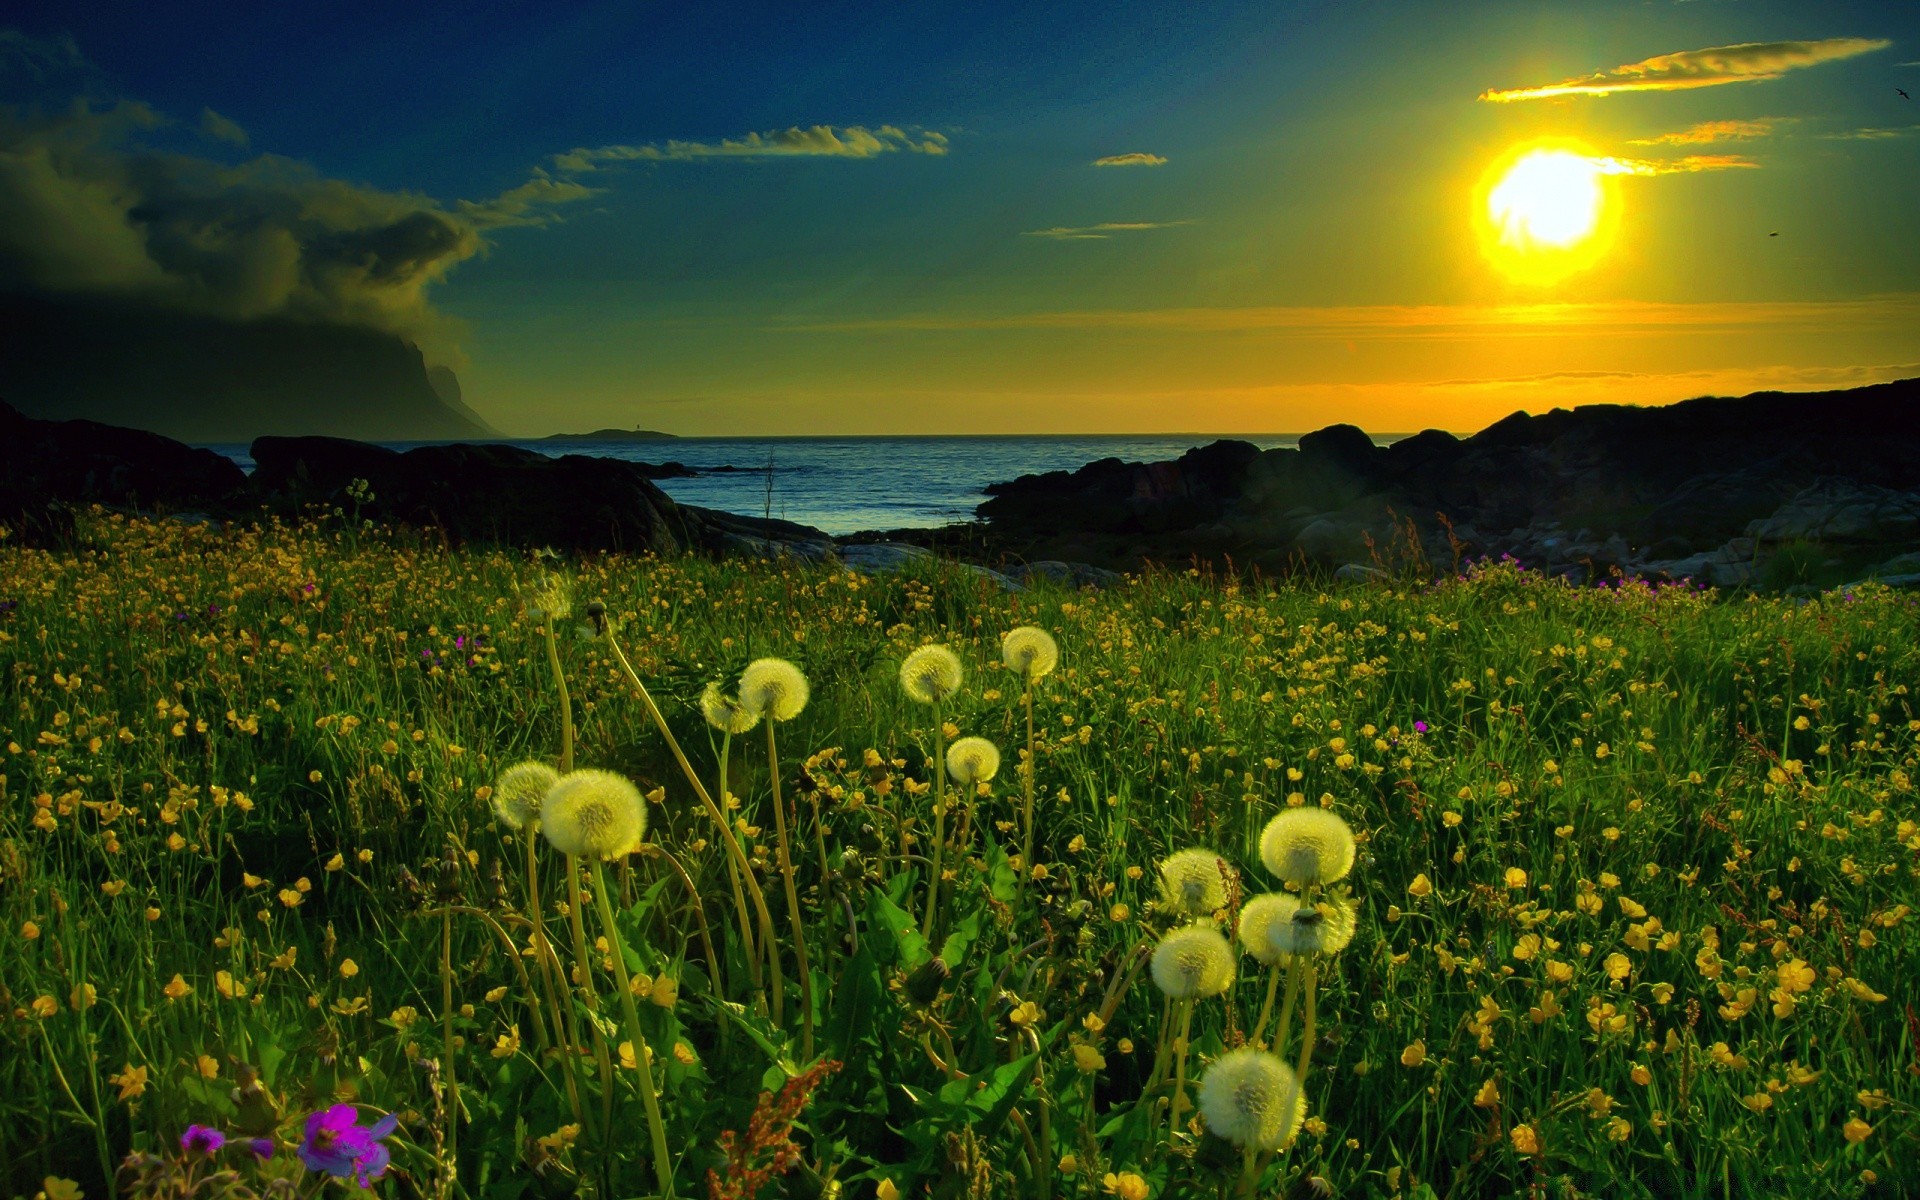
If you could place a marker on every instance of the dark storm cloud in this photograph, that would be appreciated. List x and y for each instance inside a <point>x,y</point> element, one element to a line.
<point>92,204</point>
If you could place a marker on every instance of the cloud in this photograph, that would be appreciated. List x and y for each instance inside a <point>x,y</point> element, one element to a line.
<point>1747,62</point>
<point>1872,134</point>
<point>1708,132</point>
<point>814,141</point>
<point>1689,165</point>
<point>1135,159</point>
<point>1105,229</point>
<point>220,129</point>
<point>88,208</point>
<point>33,67</point>
<point>529,204</point>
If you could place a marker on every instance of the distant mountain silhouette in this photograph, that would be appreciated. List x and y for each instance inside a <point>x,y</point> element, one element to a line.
<point>206,379</point>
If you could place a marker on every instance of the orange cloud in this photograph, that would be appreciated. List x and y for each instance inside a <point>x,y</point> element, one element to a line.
<point>1747,62</point>
<point>1135,159</point>
<point>1677,166</point>
<point>1708,132</point>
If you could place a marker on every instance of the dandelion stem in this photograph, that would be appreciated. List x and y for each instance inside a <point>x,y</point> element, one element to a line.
<point>1026,781</point>
<point>566,700</point>
<point>1179,1103</point>
<point>793,899</point>
<point>1306,1026</point>
<point>751,951</point>
<point>587,993</point>
<point>1266,1010</point>
<point>1281,1030</point>
<point>450,1082</point>
<point>1249,1167</point>
<point>642,1057</point>
<point>713,812</point>
<point>939,817</point>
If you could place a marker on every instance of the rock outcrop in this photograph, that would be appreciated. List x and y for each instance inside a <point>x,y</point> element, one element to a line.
<point>504,494</point>
<point>1671,491</point>
<point>48,468</point>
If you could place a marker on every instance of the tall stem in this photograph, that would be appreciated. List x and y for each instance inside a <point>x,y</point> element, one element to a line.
<point>449,1078</point>
<point>1266,1010</point>
<point>713,813</point>
<point>939,817</point>
<point>1285,1026</point>
<point>589,996</point>
<point>642,1056</point>
<point>1306,1028</point>
<point>566,700</point>
<point>751,951</point>
<point>793,899</point>
<point>1179,1104</point>
<point>1026,780</point>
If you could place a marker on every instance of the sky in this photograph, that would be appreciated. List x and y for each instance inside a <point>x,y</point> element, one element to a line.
<point>990,218</point>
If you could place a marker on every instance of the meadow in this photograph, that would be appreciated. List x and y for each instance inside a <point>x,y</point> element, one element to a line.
<point>1630,892</point>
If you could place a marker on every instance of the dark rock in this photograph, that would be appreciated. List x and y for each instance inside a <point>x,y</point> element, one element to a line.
<point>1653,485</point>
<point>505,494</point>
<point>48,467</point>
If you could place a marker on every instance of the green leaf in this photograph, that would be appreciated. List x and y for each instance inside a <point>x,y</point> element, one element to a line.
<point>898,932</point>
<point>954,950</point>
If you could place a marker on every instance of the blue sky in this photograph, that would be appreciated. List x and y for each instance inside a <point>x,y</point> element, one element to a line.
<point>1318,184</point>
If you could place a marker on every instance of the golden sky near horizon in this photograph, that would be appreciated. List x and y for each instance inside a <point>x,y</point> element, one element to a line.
<point>1132,218</point>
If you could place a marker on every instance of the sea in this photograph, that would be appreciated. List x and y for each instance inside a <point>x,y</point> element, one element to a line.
<point>852,484</point>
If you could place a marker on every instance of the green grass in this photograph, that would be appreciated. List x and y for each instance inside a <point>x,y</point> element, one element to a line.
<point>241,759</point>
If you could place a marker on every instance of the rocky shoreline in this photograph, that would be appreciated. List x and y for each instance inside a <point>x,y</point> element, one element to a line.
<point>1772,490</point>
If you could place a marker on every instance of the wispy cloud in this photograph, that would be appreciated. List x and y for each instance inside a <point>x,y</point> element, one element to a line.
<point>1873,134</point>
<point>222,129</point>
<point>529,204</point>
<point>1135,159</point>
<point>1105,229</point>
<point>1747,62</point>
<point>1708,132</point>
<point>1689,165</point>
<point>813,141</point>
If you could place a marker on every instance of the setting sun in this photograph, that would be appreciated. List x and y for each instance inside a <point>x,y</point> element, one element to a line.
<point>1546,211</point>
<point>1548,198</point>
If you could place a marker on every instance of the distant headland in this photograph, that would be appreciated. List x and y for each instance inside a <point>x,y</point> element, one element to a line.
<point>613,435</point>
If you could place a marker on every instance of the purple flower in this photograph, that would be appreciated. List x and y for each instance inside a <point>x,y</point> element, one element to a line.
<point>1419,726</point>
<point>260,1147</point>
<point>198,1139</point>
<point>338,1144</point>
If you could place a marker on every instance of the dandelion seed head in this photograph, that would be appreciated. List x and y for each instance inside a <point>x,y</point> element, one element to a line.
<point>1307,845</point>
<point>1193,961</point>
<point>1030,650</point>
<point>594,815</point>
<point>1192,883</point>
<point>725,712</point>
<point>518,791</point>
<point>1251,1098</point>
<point>931,674</point>
<point>773,688</point>
<point>550,596</point>
<point>1258,917</point>
<point>1323,928</point>
<point>972,760</point>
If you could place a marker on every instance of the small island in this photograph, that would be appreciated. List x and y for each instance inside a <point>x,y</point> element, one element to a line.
<point>614,435</point>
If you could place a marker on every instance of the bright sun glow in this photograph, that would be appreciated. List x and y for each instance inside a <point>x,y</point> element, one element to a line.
<point>1549,197</point>
<point>1546,211</point>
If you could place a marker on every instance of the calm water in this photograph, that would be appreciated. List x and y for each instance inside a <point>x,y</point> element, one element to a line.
<point>843,485</point>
